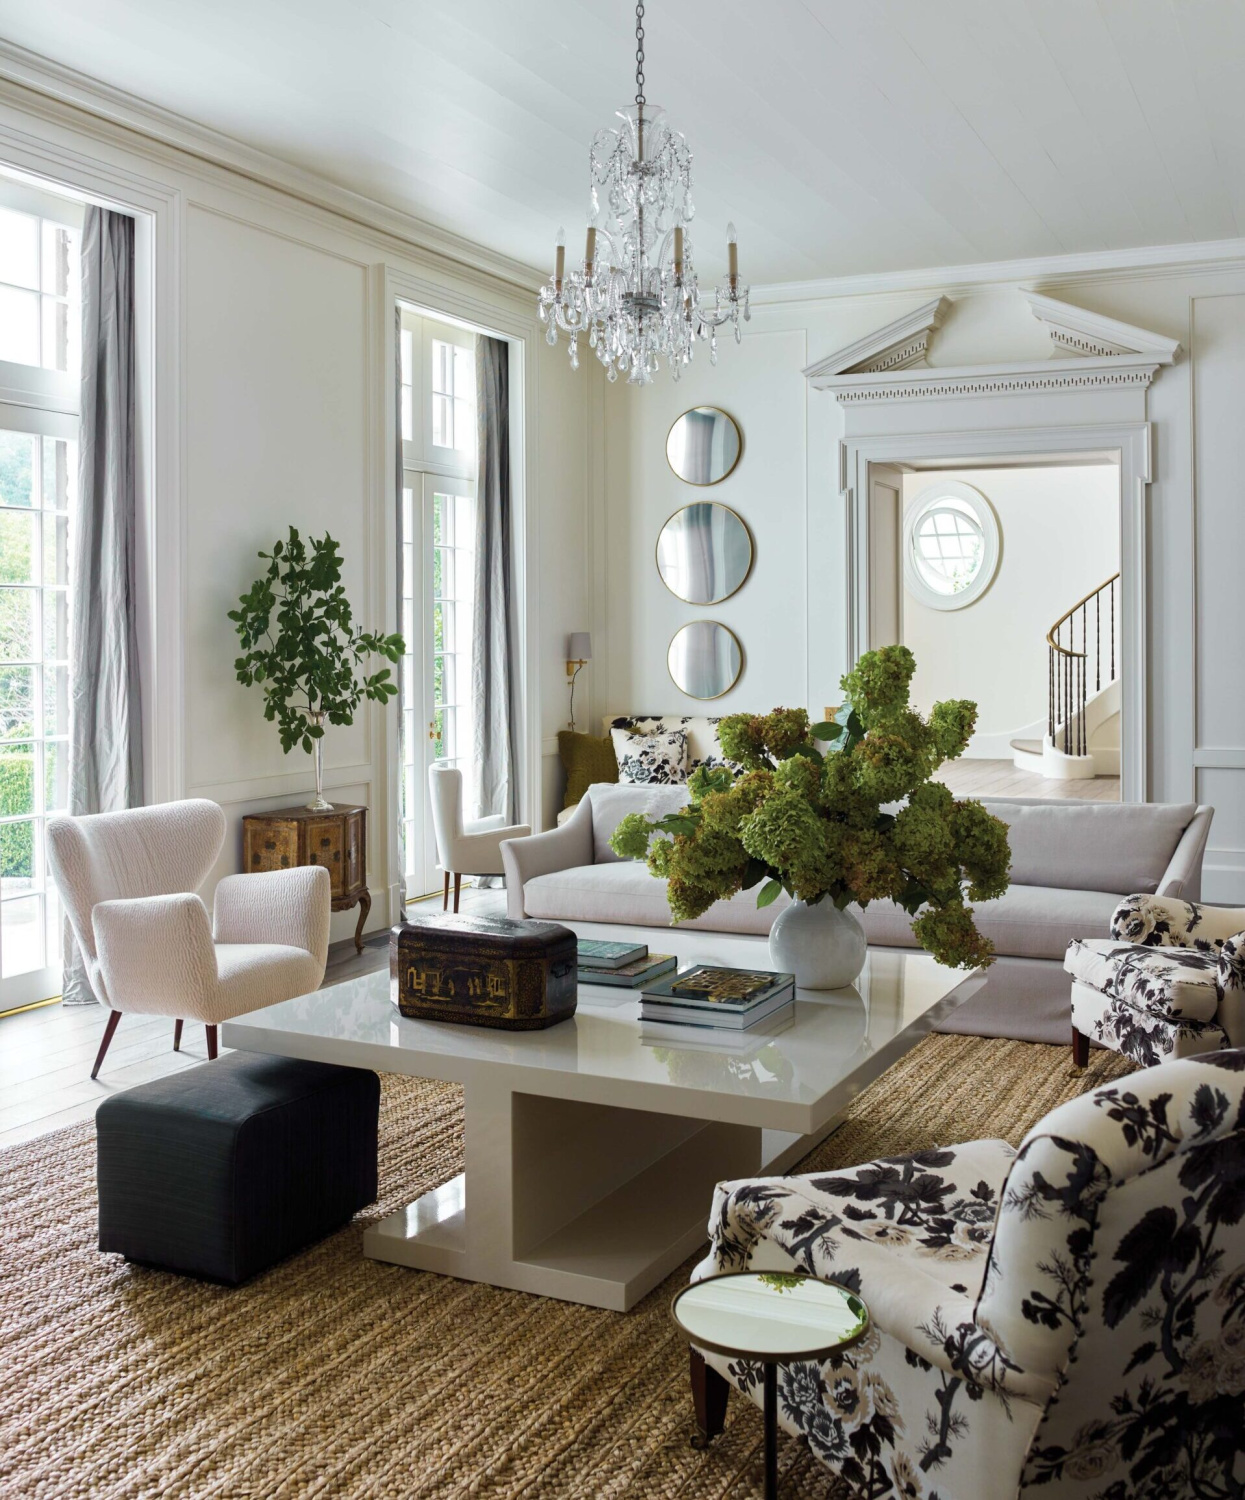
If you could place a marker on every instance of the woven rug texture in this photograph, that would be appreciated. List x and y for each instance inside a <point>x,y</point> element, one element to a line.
<point>336,1376</point>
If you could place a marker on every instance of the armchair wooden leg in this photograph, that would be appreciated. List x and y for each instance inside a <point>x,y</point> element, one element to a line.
<point>1080,1049</point>
<point>458,886</point>
<point>445,904</point>
<point>709,1392</point>
<point>113,1017</point>
<point>177,1036</point>
<point>211,1041</point>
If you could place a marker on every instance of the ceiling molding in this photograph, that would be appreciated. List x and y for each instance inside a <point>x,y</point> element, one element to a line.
<point>1079,331</point>
<point>897,346</point>
<point>76,93</point>
<point>1215,256</point>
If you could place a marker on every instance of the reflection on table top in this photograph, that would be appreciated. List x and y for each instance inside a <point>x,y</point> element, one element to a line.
<point>775,1315</point>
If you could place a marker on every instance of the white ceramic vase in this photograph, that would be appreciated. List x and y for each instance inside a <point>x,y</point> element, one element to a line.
<point>822,946</point>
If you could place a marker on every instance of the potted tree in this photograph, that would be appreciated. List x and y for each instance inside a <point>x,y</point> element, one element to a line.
<point>301,644</point>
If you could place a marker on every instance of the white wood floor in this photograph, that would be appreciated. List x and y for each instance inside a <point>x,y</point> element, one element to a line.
<point>46,1055</point>
<point>1000,778</point>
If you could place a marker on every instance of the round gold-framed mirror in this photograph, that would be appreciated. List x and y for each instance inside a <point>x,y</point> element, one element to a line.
<point>704,553</point>
<point>703,445</point>
<point>705,659</point>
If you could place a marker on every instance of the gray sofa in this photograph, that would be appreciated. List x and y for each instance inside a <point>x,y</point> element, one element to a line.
<point>1072,863</point>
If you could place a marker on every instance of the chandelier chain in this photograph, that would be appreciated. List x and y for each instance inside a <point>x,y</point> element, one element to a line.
<point>639,52</point>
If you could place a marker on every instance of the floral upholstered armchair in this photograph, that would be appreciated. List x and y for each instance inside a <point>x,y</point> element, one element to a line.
<point>1168,982</point>
<point>1068,1319</point>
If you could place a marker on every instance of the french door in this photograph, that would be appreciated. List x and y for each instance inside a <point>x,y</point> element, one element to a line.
<point>438,624</point>
<point>38,477</point>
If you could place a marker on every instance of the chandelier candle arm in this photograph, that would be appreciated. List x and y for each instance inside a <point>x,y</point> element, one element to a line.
<point>636,295</point>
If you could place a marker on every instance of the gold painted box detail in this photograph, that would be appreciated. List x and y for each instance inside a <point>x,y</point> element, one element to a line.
<point>484,971</point>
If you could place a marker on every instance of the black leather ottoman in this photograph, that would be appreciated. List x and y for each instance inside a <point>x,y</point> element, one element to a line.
<point>224,1169</point>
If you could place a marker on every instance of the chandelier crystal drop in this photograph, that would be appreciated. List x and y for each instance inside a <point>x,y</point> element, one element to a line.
<point>636,295</point>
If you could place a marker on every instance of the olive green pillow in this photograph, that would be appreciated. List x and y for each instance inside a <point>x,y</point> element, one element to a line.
<point>585,759</point>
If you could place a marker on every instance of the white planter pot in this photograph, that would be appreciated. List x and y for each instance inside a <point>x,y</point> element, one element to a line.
<point>822,946</point>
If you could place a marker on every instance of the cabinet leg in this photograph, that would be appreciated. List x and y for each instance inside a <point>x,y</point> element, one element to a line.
<point>1080,1049</point>
<point>365,906</point>
<point>709,1392</point>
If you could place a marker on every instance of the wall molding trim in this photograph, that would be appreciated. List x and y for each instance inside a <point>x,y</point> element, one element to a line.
<point>66,94</point>
<point>898,344</point>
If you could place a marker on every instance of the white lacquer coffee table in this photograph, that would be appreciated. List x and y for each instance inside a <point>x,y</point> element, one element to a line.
<point>592,1148</point>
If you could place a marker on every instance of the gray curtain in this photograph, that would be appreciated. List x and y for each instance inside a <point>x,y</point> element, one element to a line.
<point>494,669</point>
<point>403,705</point>
<point>105,734</point>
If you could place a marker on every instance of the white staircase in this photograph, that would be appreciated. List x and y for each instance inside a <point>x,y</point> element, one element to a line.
<point>1082,738</point>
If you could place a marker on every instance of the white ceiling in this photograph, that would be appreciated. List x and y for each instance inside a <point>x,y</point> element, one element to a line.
<point>841,136</point>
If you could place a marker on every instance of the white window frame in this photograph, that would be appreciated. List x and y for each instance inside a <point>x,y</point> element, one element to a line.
<point>984,514</point>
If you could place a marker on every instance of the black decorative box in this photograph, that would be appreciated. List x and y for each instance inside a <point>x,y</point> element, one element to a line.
<point>484,971</point>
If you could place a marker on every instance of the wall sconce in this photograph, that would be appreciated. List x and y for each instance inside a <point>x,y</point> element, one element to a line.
<point>578,655</point>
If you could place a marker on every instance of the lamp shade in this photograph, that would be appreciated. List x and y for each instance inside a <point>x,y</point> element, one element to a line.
<point>579,646</point>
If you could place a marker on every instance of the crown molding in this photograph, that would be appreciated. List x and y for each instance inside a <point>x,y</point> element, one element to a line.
<point>66,94</point>
<point>1080,331</point>
<point>984,276</point>
<point>1024,378</point>
<point>897,346</point>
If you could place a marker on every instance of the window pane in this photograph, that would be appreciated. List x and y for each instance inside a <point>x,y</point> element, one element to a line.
<point>406,346</point>
<point>438,508</point>
<point>55,549</point>
<point>17,468</point>
<point>62,324</point>
<point>17,624</point>
<point>19,326</point>
<point>22,938</point>
<point>55,776</point>
<point>408,417</point>
<point>17,702</point>
<point>60,473</point>
<point>464,427</point>
<point>442,421</point>
<point>17,546</point>
<point>17,787</point>
<point>19,248</point>
<point>55,700</point>
<point>464,372</point>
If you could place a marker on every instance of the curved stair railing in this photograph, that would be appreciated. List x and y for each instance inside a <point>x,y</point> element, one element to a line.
<point>1070,668</point>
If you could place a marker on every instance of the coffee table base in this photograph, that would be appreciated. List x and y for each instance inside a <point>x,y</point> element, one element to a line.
<point>588,1203</point>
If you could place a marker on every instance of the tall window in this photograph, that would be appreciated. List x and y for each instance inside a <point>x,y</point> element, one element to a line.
<point>40,326</point>
<point>438,531</point>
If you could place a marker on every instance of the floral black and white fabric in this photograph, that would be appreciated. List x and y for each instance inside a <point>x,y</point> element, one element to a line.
<point>1169,981</point>
<point>658,759</point>
<point>1067,1319</point>
<point>702,737</point>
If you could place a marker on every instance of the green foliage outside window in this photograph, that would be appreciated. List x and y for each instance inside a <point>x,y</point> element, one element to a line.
<point>17,796</point>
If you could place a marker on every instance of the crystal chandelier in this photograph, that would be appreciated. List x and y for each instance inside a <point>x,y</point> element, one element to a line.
<point>636,295</point>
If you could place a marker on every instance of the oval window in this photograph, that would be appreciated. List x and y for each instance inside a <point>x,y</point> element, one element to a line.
<point>951,545</point>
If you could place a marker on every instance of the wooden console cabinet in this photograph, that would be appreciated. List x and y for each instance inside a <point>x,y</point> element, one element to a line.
<point>336,839</point>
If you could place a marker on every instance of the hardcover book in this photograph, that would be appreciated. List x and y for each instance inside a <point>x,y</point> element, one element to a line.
<point>631,976</point>
<point>595,953</point>
<point>716,1016</point>
<point>723,990</point>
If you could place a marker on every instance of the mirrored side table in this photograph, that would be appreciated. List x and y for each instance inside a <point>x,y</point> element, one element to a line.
<point>773,1318</point>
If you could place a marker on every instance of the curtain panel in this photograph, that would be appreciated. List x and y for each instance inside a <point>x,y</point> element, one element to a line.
<point>105,732</point>
<point>494,674</point>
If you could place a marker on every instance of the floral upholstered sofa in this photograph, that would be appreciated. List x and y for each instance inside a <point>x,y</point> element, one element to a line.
<point>1067,1319</point>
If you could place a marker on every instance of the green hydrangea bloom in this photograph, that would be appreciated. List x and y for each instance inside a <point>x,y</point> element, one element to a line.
<point>952,724</point>
<point>879,682</point>
<point>742,738</point>
<point>982,848</point>
<point>630,839</point>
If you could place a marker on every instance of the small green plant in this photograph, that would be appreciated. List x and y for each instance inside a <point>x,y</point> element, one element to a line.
<point>857,822</point>
<point>302,646</point>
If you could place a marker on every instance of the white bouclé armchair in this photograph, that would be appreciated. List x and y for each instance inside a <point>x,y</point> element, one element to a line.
<point>129,883</point>
<point>465,848</point>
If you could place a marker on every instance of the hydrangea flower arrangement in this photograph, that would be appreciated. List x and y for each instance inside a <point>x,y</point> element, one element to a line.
<point>812,822</point>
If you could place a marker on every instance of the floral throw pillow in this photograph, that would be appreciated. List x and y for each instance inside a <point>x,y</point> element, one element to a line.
<point>651,759</point>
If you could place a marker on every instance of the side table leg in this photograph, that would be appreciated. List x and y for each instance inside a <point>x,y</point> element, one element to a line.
<point>709,1393</point>
<point>365,906</point>
<point>771,1432</point>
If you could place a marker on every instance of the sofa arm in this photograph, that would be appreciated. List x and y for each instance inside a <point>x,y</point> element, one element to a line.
<point>1183,876</point>
<point>1165,922</point>
<point>289,907</point>
<point>563,848</point>
<point>156,955</point>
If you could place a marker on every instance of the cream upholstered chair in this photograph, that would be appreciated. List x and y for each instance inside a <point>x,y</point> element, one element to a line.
<point>465,848</point>
<point>128,882</point>
<point>1168,982</point>
<point>1066,1320</point>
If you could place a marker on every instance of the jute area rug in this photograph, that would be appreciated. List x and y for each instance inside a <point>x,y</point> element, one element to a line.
<point>333,1375</point>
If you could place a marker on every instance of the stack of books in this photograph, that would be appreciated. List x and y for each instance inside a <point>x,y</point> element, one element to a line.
<point>732,999</point>
<point>628,965</point>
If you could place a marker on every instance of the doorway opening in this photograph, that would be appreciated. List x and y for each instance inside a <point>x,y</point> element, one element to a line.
<point>1004,580</point>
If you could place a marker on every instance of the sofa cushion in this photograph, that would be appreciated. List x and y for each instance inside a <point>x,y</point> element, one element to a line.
<point>624,891</point>
<point>701,730</point>
<point>1095,846</point>
<point>1025,922</point>
<point>611,804</point>
<point>651,759</point>
<point>1173,983</point>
